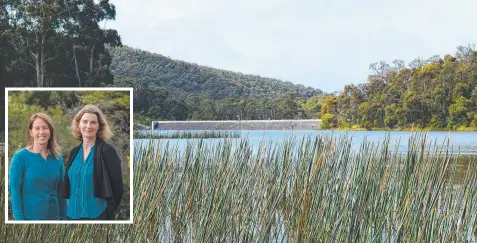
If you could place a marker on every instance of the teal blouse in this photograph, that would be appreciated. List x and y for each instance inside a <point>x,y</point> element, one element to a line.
<point>35,186</point>
<point>82,202</point>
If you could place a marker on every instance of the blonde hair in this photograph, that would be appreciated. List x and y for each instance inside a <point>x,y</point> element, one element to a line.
<point>104,131</point>
<point>52,144</point>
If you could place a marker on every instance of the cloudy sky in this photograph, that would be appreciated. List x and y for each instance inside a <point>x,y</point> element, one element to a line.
<point>324,44</point>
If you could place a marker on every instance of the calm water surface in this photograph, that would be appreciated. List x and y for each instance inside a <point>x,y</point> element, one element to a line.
<point>463,142</point>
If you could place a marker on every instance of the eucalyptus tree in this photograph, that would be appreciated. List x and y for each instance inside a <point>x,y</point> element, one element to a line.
<point>56,42</point>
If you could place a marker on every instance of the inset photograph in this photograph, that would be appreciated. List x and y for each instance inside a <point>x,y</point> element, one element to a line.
<point>68,155</point>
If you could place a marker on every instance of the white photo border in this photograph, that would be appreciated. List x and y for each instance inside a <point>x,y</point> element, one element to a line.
<point>131,158</point>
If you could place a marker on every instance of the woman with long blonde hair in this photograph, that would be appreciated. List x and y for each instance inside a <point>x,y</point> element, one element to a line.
<point>36,174</point>
<point>93,179</point>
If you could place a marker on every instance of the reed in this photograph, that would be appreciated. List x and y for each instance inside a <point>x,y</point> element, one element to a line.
<point>316,189</point>
<point>187,135</point>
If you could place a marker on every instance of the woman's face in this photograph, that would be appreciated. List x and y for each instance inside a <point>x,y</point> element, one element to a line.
<point>40,132</point>
<point>89,125</point>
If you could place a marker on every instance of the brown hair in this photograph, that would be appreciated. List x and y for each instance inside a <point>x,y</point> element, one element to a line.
<point>104,131</point>
<point>52,144</point>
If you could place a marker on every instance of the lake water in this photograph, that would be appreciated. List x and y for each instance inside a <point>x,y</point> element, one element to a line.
<point>463,142</point>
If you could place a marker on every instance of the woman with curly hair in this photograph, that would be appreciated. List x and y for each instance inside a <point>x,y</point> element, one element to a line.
<point>93,181</point>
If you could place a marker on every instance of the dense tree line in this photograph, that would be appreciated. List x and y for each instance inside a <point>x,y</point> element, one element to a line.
<point>185,78</point>
<point>437,93</point>
<point>159,103</point>
<point>55,43</point>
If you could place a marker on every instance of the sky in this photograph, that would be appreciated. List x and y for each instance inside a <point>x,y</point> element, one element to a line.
<point>323,44</point>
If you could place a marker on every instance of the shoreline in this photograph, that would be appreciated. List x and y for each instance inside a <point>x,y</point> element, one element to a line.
<point>279,125</point>
<point>309,124</point>
<point>404,130</point>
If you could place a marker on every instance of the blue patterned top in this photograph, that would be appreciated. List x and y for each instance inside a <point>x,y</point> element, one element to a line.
<point>82,202</point>
<point>35,186</point>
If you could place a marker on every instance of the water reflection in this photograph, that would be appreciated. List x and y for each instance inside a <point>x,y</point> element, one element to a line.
<point>463,163</point>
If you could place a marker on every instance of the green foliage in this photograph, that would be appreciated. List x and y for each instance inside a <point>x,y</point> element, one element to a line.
<point>437,93</point>
<point>143,118</point>
<point>329,107</point>
<point>458,112</point>
<point>182,78</point>
<point>166,89</point>
<point>18,114</point>
<point>391,117</point>
<point>461,89</point>
<point>345,125</point>
<point>437,121</point>
<point>366,116</point>
<point>287,108</point>
<point>119,99</point>
<point>312,107</point>
<point>473,119</point>
<point>204,111</point>
<point>329,121</point>
<point>56,43</point>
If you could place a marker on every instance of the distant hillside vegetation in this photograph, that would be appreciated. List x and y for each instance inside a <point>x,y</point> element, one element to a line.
<point>189,78</point>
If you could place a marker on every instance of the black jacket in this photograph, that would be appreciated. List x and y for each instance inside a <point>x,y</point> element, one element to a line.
<point>107,174</point>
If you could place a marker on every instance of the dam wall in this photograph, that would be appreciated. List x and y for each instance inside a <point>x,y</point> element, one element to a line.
<point>238,125</point>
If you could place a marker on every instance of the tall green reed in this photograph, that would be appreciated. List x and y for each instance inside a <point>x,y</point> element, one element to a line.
<point>313,189</point>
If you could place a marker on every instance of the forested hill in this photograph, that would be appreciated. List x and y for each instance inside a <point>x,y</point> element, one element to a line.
<point>437,93</point>
<point>189,78</point>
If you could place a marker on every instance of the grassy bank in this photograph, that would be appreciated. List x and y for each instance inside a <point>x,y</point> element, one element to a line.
<point>316,190</point>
